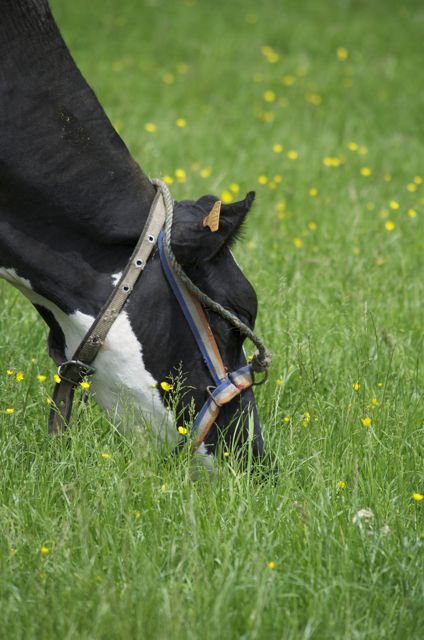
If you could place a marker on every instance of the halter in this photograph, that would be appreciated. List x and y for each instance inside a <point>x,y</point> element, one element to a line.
<point>226,385</point>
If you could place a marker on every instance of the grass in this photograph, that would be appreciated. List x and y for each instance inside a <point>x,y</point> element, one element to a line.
<point>135,548</point>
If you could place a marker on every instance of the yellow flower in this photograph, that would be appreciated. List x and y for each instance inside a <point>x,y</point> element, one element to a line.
<point>84,385</point>
<point>417,496</point>
<point>273,57</point>
<point>412,213</point>
<point>226,454</point>
<point>168,78</point>
<point>182,430</point>
<point>352,146</point>
<point>166,386</point>
<point>9,372</point>
<point>356,386</point>
<point>292,155</point>
<point>341,484</point>
<point>286,419</point>
<point>181,122</point>
<point>57,378</point>
<point>365,171</point>
<point>418,180</point>
<point>251,18</point>
<point>366,422</point>
<point>154,385</point>
<point>206,172</point>
<point>298,243</point>
<point>181,175</point>
<point>150,127</point>
<point>165,487</point>
<point>262,179</point>
<point>226,197</point>
<point>389,225</point>
<point>312,226</point>
<point>379,385</point>
<point>267,116</point>
<point>271,565</point>
<point>374,403</point>
<point>106,456</point>
<point>182,67</point>
<point>168,179</point>
<point>277,179</point>
<point>19,376</point>
<point>234,187</point>
<point>330,161</point>
<point>137,515</point>
<point>277,147</point>
<point>269,53</point>
<point>279,381</point>
<point>269,96</point>
<point>44,550</point>
<point>41,377</point>
<point>306,418</point>
<point>342,54</point>
<point>411,187</point>
<point>394,205</point>
<point>10,411</point>
<point>313,192</point>
<point>313,98</point>
<point>288,80</point>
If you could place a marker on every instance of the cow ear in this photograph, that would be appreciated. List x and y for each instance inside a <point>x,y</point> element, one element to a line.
<point>202,228</point>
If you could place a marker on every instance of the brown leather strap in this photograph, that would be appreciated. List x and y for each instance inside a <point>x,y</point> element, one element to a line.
<point>75,370</point>
<point>61,408</point>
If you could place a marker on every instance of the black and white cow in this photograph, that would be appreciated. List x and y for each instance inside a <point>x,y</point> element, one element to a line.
<point>72,205</point>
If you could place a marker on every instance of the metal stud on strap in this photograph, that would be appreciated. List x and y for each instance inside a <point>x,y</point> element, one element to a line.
<point>76,367</point>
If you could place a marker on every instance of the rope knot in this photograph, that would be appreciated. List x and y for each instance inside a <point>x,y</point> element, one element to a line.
<point>261,360</point>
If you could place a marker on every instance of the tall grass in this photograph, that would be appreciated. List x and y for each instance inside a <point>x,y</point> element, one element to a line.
<point>102,538</point>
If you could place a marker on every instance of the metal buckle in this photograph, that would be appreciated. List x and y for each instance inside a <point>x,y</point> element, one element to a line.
<point>83,370</point>
<point>210,390</point>
<point>264,379</point>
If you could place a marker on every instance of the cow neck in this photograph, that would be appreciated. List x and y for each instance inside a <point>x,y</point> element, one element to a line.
<point>72,200</point>
<point>23,17</point>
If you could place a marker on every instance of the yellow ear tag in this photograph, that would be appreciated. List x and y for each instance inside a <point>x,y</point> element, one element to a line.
<point>212,219</point>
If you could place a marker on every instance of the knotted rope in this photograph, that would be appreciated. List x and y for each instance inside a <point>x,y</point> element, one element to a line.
<point>262,358</point>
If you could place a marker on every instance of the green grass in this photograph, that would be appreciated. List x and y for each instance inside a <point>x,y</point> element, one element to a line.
<point>136,548</point>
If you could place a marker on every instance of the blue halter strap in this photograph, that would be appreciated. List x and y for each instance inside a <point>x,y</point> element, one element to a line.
<point>226,385</point>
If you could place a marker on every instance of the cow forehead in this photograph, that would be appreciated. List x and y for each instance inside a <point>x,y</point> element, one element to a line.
<point>227,281</point>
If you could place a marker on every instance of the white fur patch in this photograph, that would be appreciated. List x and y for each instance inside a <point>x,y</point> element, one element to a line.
<point>115,278</point>
<point>121,383</point>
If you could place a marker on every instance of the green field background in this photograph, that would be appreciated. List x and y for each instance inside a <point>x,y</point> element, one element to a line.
<point>318,107</point>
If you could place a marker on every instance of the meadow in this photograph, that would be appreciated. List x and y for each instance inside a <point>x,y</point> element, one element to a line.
<point>318,107</point>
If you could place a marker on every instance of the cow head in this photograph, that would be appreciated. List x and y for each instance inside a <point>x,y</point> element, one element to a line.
<point>207,259</point>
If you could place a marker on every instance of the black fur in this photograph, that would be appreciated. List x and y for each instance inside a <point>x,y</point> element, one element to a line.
<point>73,203</point>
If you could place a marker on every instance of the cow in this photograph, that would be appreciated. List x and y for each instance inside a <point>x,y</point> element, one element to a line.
<point>73,203</point>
